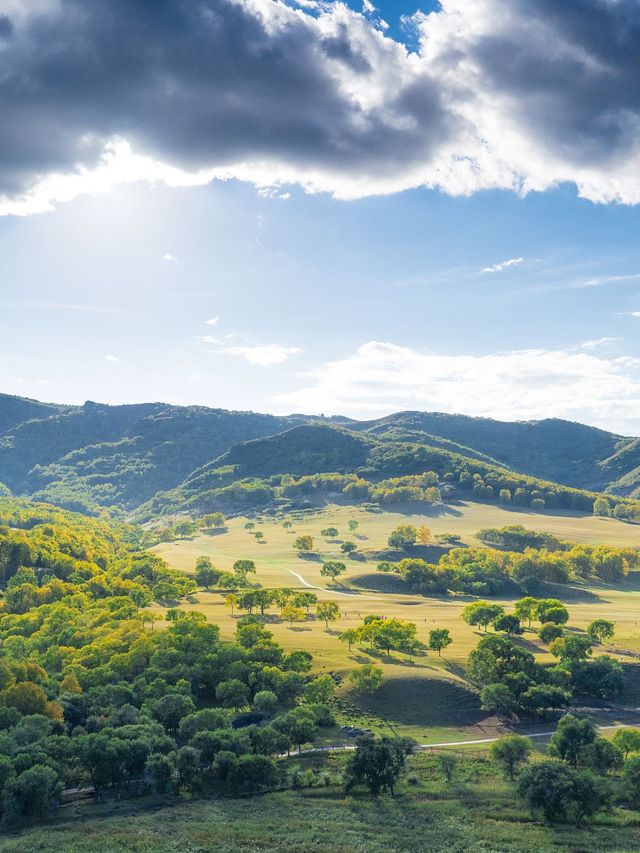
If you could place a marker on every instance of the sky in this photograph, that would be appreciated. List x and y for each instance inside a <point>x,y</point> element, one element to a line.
<point>321,208</point>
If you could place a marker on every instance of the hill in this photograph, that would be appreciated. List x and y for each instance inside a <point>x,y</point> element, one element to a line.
<point>95,455</point>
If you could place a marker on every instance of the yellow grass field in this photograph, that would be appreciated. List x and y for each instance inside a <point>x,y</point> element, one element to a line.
<point>412,688</point>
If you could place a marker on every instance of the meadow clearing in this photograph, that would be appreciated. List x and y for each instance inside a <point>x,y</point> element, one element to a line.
<point>428,697</point>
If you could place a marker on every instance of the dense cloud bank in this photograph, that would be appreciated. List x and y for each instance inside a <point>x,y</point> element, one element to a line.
<point>517,94</point>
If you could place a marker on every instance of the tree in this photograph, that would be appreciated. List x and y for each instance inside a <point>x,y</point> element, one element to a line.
<point>292,614</point>
<point>394,634</point>
<point>321,690</point>
<point>329,532</point>
<point>559,792</point>
<point>499,699</point>
<point>550,632</point>
<point>447,764</point>
<point>439,639</point>
<point>231,601</point>
<point>332,569</point>
<point>206,574</point>
<point>632,779</point>
<point>544,606</point>
<point>170,709</point>
<point>557,615</point>
<point>602,677</point>
<point>232,694</point>
<point>627,740</point>
<point>350,636</point>
<point>367,678</point>
<point>403,537</point>
<point>601,630</point>
<point>244,567</point>
<point>481,613</point>
<point>187,763</point>
<point>511,752</point>
<point>212,520</point>
<point>328,611</point>
<point>602,507</point>
<point>423,536</point>
<point>539,699</point>
<point>353,525</point>
<point>304,599</point>
<point>159,770</point>
<point>31,793</point>
<point>348,547</point>
<point>253,773</point>
<point>508,623</point>
<point>378,764</point>
<point>526,608</point>
<point>265,702</point>
<point>571,648</point>
<point>571,736</point>
<point>601,755</point>
<point>304,543</point>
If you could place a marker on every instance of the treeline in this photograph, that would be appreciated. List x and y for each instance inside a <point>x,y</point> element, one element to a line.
<point>91,694</point>
<point>486,571</point>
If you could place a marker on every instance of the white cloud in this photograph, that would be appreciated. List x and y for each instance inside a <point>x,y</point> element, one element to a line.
<point>503,265</point>
<point>213,321</point>
<point>610,279</point>
<point>169,258</point>
<point>380,378</point>
<point>597,342</point>
<point>520,95</point>
<point>112,359</point>
<point>264,355</point>
<point>633,314</point>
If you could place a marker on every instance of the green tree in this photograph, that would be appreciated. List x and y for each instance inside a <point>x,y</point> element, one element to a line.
<point>627,740</point>
<point>632,779</point>
<point>367,678</point>
<point>403,537</point>
<point>549,632</point>
<point>251,774</point>
<point>378,764</point>
<point>571,648</point>
<point>31,793</point>
<point>571,736</point>
<point>328,611</point>
<point>350,636</point>
<point>526,608</point>
<point>206,574</point>
<point>348,547</point>
<point>559,792</point>
<point>511,752</point>
<point>304,543</point>
<point>292,614</point>
<point>439,639</point>
<point>332,569</point>
<point>232,694</point>
<point>498,699</point>
<point>244,567</point>
<point>320,690</point>
<point>509,624</point>
<point>353,525</point>
<point>601,630</point>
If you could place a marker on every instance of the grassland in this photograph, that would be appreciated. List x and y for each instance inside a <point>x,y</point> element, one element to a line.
<point>477,812</point>
<point>428,697</point>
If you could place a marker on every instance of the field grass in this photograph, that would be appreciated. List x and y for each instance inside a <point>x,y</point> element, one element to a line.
<point>428,697</point>
<point>477,812</point>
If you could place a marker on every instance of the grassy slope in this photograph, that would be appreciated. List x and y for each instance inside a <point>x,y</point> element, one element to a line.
<point>425,698</point>
<point>478,812</point>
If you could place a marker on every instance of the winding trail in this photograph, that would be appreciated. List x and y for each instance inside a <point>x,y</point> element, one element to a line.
<point>304,582</point>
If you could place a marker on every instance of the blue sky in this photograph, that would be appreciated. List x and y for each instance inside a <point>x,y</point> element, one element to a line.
<point>306,289</point>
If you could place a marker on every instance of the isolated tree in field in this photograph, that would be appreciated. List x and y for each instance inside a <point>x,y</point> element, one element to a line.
<point>423,536</point>
<point>526,608</point>
<point>403,537</point>
<point>353,525</point>
<point>292,614</point>
<point>328,611</point>
<point>286,525</point>
<point>333,570</point>
<point>552,610</point>
<point>627,740</point>
<point>231,601</point>
<point>367,678</point>
<point>348,547</point>
<point>249,525</point>
<point>304,543</point>
<point>601,630</point>
<point>259,535</point>
<point>439,639</point>
<point>329,532</point>
<point>378,764</point>
<point>509,624</point>
<point>350,636</point>
<point>394,634</point>
<point>511,752</point>
<point>244,567</point>
<point>206,574</point>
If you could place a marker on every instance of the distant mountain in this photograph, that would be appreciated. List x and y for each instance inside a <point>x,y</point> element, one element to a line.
<point>570,453</point>
<point>94,455</point>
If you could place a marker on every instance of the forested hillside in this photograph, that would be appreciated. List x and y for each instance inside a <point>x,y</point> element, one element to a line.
<point>120,457</point>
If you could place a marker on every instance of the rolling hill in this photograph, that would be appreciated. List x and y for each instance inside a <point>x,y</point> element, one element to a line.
<point>95,455</point>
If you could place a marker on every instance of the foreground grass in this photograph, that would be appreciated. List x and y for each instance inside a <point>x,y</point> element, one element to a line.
<point>477,812</point>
